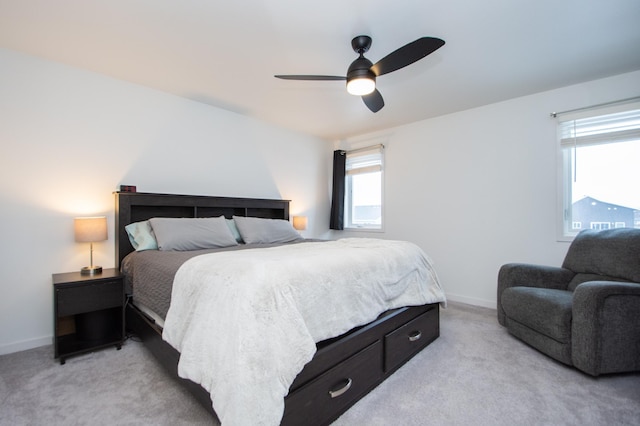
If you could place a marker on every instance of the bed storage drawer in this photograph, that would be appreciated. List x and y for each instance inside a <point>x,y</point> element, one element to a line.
<point>407,340</point>
<point>337,389</point>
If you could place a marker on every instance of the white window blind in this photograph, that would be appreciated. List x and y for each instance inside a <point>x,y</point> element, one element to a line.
<point>609,128</point>
<point>366,160</point>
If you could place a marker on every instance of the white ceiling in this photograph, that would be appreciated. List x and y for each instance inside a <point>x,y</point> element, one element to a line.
<point>225,53</point>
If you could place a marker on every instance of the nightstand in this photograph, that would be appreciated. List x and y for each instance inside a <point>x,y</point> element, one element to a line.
<point>88,312</point>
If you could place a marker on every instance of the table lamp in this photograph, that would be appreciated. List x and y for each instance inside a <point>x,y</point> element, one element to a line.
<point>300,223</point>
<point>90,230</point>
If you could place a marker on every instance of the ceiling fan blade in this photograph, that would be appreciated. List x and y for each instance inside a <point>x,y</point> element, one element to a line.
<point>373,101</point>
<point>311,77</point>
<point>406,55</point>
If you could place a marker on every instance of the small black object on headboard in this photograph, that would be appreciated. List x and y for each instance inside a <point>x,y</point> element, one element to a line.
<point>128,188</point>
<point>138,206</point>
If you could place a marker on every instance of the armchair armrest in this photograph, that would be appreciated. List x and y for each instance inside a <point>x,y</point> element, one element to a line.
<point>527,275</point>
<point>606,332</point>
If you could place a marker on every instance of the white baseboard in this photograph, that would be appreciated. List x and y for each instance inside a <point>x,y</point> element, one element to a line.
<point>26,344</point>
<point>491,304</point>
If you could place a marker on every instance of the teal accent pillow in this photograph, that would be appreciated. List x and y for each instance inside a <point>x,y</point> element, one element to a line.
<point>141,236</point>
<point>234,230</point>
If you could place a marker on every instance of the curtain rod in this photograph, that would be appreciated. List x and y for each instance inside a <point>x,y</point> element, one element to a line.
<point>364,148</point>
<point>622,101</point>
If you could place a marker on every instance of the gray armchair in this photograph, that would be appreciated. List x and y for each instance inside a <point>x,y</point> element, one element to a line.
<point>585,314</point>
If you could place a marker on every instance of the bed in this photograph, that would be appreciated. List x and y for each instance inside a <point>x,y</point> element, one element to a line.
<point>341,370</point>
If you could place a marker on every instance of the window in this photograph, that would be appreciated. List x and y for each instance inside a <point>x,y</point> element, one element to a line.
<point>598,226</point>
<point>363,188</point>
<point>599,174</point>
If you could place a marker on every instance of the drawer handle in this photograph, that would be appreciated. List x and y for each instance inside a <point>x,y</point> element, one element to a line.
<point>342,390</point>
<point>416,335</point>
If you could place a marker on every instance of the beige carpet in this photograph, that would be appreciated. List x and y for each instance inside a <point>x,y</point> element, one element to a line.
<point>474,374</point>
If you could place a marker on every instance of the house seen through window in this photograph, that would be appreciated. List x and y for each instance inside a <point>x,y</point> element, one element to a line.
<point>600,172</point>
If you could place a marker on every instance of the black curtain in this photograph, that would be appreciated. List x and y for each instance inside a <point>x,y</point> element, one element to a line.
<point>337,198</point>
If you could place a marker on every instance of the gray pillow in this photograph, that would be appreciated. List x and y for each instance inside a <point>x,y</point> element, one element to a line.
<point>192,233</point>
<point>258,230</point>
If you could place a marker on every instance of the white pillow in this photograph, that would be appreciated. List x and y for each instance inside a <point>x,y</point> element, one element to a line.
<point>258,230</point>
<point>192,233</point>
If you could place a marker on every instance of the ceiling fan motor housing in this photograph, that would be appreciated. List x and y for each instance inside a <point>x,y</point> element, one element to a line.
<point>360,68</point>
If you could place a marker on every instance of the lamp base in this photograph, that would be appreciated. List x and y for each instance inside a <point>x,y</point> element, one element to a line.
<point>91,270</point>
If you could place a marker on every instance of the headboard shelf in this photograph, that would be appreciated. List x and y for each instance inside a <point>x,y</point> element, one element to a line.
<point>133,207</point>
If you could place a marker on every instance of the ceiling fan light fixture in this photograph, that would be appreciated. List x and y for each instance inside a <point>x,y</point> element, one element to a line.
<point>361,86</point>
<point>360,79</point>
<point>362,73</point>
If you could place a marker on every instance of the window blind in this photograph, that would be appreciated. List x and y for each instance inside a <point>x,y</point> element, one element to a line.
<point>599,129</point>
<point>367,160</point>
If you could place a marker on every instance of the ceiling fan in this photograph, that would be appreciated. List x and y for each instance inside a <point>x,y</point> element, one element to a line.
<point>362,73</point>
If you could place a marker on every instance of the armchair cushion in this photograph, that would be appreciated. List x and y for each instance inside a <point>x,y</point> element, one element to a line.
<point>548,311</point>
<point>527,275</point>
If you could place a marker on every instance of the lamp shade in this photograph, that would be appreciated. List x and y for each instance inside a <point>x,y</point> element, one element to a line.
<point>90,229</point>
<point>300,223</point>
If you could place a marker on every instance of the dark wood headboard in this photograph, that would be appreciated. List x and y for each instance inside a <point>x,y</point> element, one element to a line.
<point>138,206</point>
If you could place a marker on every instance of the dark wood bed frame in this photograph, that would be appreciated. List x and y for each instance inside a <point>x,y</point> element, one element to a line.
<point>343,370</point>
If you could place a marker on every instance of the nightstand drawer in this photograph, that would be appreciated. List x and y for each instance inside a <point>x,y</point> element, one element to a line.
<point>73,300</point>
<point>404,342</point>
<point>337,389</point>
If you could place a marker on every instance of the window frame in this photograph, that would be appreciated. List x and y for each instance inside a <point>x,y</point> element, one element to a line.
<point>377,150</point>
<point>566,229</point>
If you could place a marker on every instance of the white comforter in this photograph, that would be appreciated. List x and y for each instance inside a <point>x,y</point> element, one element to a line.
<point>246,322</point>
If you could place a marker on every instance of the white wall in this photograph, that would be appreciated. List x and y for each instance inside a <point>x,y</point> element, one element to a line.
<point>477,189</point>
<point>70,137</point>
